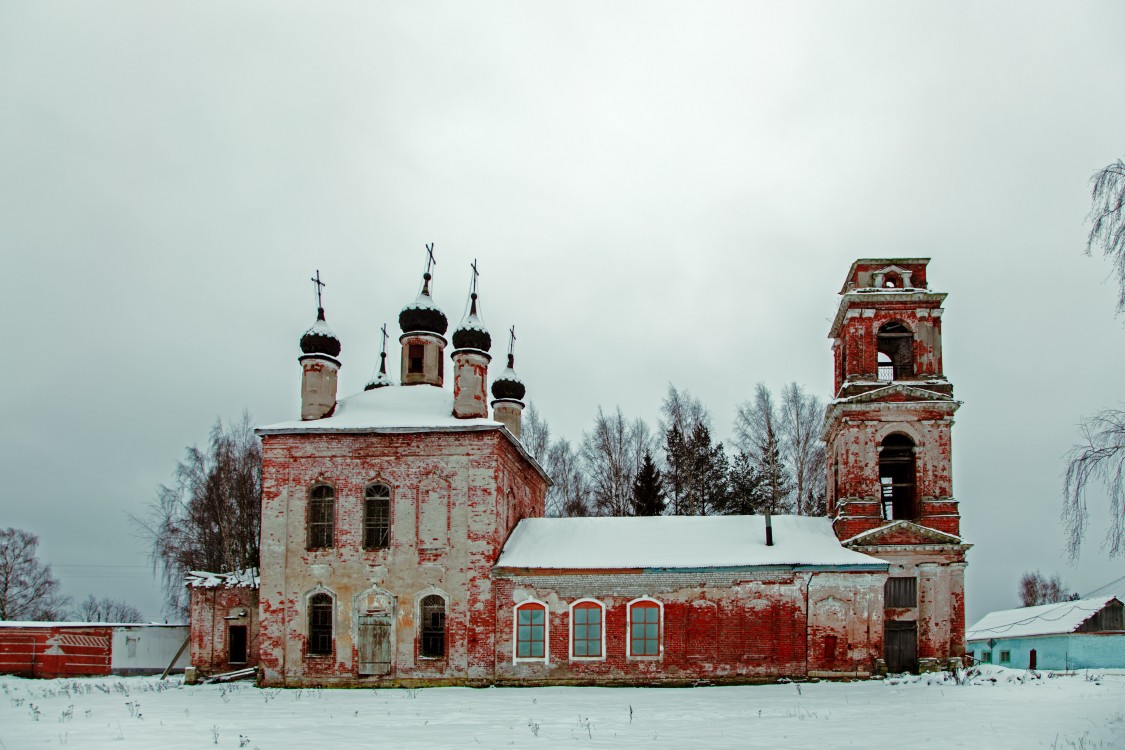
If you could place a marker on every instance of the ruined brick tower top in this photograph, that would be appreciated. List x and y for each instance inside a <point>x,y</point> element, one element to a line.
<point>887,328</point>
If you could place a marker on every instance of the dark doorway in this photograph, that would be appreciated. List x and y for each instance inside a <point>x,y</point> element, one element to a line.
<point>1032,661</point>
<point>900,646</point>
<point>236,644</point>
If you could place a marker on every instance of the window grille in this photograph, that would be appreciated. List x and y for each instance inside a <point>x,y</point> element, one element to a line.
<point>531,630</point>
<point>322,512</point>
<point>901,592</point>
<point>433,627</point>
<point>320,625</point>
<point>644,629</point>
<point>1005,657</point>
<point>377,516</point>
<point>587,629</point>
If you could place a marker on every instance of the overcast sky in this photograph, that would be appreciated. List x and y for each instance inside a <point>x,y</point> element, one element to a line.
<point>655,192</point>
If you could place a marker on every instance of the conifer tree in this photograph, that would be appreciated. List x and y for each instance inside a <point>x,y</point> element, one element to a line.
<point>675,452</point>
<point>746,495</point>
<point>648,489</point>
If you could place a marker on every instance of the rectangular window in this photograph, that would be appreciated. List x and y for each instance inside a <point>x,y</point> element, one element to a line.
<point>644,630</point>
<point>587,623</point>
<point>986,657</point>
<point>901,592</point>
<point>531,627</point>
<point>1005,657</point>
<point>415,358</point>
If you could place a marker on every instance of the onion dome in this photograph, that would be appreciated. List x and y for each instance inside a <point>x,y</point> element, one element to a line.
<point>472,334</point>
<point>319,339</point>
<point>422,315</point>
<point>379,379</point>
<point>508,385</point>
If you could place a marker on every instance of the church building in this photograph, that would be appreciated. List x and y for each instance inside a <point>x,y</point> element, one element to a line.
<point>404,540</point>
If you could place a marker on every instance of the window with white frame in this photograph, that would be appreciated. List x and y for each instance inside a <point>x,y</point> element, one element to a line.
<point>645,626</point>
<point>531,631</point>
<point>587,629</point>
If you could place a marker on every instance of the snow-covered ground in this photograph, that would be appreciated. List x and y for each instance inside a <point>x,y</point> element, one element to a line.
<point>993,708</point>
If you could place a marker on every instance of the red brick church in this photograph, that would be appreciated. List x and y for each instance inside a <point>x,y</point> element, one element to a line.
<point>404,540</point>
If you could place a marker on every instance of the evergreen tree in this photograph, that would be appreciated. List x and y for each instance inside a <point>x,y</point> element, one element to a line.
<point>776,484</point>
<point>747,494</point>
<point>675,452</point>
<point>707,485</point>
<point>648,489</point>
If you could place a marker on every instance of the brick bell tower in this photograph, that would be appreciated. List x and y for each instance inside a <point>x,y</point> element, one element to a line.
<point>888,433</point>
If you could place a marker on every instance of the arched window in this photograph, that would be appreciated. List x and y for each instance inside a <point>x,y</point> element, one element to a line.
<point>432,610</point>
<point>896,342</point>
<point>531,631</point>
<point>377,516</point>
<point>320,625</point>
<point>644,628</point>
<point>322,516</point>
<point>587,630</point>
<point>896,477</point>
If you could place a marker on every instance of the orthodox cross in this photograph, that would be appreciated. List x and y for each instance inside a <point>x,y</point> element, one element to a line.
<point>430,262</point>
<point>476,273</point>
<point>384,339</point>
<point>319,285</point>
<point>511,341</point>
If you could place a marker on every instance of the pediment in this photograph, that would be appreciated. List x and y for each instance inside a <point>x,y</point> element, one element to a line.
<point>900,392</point>
<point>903,533</point>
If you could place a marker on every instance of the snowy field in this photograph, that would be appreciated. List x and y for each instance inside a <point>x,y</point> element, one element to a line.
<point>995,708</point>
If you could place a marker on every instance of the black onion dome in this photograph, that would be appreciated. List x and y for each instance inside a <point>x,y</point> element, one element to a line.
<point>422,314</point>
<point>319,339</point>
<point>472,334</point>
<point>508,384</point>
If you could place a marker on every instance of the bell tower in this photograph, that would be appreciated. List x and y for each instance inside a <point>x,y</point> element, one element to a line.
<point>888,439</point>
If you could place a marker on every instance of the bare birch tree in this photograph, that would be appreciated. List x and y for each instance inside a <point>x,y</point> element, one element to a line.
<point>801,420</point>
<point>28,589</point>
<point>535,434</point>
<point>1099,457</point>
<point>105,609</point>
<point>210,518</point>
<point>612,454</point>
<point>569,495</point>
<point>757,432</point>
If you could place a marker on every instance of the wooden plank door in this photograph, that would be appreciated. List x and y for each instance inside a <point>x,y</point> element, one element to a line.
<point>900,646</point>
<point>374,648</point>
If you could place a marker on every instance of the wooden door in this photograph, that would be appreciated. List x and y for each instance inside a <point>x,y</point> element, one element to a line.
<point>1032,661</point>
<point>374,648</point>
<point>900,646</point>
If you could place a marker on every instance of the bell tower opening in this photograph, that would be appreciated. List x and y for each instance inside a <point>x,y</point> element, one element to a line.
<point>896,350</point>
<point>897,478</point>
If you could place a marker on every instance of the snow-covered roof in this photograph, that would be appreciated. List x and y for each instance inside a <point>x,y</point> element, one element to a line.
<point>82,624</point>
<point>1045,619</point>
<point>202,579</point>
<point>676,542</point>
<point>399,408</point>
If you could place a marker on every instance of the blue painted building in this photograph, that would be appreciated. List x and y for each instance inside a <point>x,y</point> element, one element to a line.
<point>1079,634</point>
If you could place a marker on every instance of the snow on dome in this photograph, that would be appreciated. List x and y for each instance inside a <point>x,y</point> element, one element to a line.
<point>507,384</point>
<point>422,314</point>
<point>1045,619</point>
<point>202,579</point>
<point>320,339</point>
<point>471,333</point>
<point>415,408</point>
<point>676,542</point>
<point>379,381</point>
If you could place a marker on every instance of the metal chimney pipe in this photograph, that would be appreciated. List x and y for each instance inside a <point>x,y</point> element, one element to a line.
<point>769,529</point>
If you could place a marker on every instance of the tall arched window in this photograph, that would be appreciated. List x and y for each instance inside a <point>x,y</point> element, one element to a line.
<point>896,342</point>
<point>432,611</point>
<point>645,628</point>
<point>322,517</point>
<point>320,625</point>
<point>587,630</point>
<point>531,631</point>
<point>897,477</point>
<point>377,516</point>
